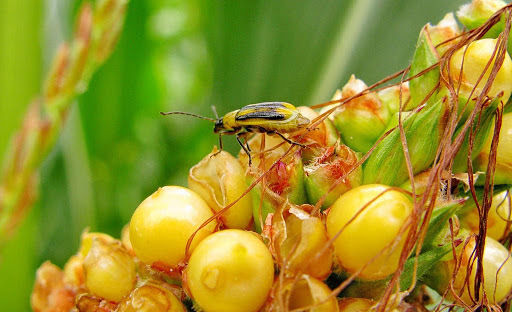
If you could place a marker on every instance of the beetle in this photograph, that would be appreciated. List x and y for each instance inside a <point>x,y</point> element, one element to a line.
<point>267,117</point>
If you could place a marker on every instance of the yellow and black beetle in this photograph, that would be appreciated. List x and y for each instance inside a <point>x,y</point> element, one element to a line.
<point>268,117</point>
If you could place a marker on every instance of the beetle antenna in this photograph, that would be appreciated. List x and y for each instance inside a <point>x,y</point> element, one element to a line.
<point>214,109</point>
<point>188,114</point>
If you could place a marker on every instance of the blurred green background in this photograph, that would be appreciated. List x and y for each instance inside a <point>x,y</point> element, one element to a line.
<point>174,55</point>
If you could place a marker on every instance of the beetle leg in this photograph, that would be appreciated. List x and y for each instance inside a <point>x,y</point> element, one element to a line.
<point>220,142</point>
<point>244,148</point>
<point>220,147</point>
<point>290,141</point>
<point>247,145</point>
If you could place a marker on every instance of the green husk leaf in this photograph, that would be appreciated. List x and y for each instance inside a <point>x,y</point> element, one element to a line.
<point>438,222</point>
<point>484,129</point>
<point>424,57</point>
<point>426,262</point>
<point>470,203</point>
<point>423,130</point>
<point>265,206</point>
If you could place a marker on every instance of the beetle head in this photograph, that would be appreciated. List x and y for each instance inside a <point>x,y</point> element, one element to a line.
<point>219,125</point>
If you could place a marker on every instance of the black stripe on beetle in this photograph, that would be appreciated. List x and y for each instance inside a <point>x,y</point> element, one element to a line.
<point>264,105</point>
<point>269,115</point>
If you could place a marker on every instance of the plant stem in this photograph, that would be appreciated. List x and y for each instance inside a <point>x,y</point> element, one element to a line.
<point>97,31</point>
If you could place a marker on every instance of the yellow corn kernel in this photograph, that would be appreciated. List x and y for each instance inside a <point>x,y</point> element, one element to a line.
<point>498,219</point>
<point>109,270</point>
<point>497,272</point>
<point>151,297</point>
<point>219,179</point>
<point>162,224</point>
<point>309,294</point>
<point>304,238</point>
<point>369,233</point>
<point>88,237</point>
<point>503,173</point>
<point>472,60</point>
<point>230,271</point>
<point>50,292</point>
<point>355,304</point>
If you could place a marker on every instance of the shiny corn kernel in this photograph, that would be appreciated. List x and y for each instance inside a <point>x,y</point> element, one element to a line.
<point>151,297</point>
<point>230,271</point>
<point>498,218</point>
<point>109,270</point>
<point>497,272</point>
<point>163,223</point>
<point>311,295</point>
<point>305,237</point>
<point>503,173</point>
<point>382,213</point>
<point>472,60</point>
<point>219,179</point>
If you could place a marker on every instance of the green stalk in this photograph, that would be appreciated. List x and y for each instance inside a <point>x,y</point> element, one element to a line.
<point>95,36</point>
